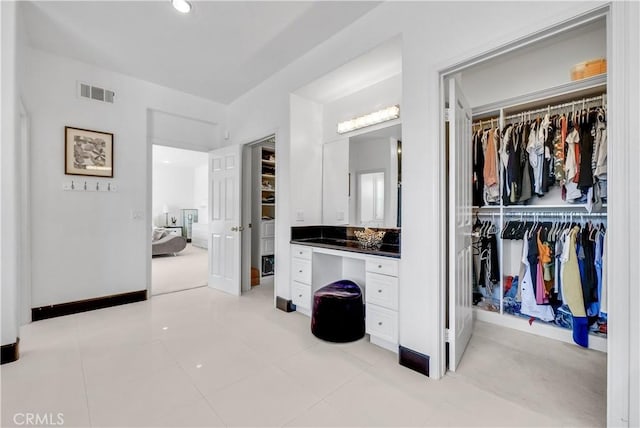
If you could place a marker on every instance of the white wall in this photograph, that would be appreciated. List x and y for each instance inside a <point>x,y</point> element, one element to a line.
<point>430,42</point>
<point>86,244</point>
<point>201,192</point>
<point>306,161</point>
<point>376,97</point>
<point>172,186</point>
<point>9,161</point>
<point>551,60</point>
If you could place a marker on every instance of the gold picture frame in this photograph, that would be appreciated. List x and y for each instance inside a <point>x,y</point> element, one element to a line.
<point>88,152</point>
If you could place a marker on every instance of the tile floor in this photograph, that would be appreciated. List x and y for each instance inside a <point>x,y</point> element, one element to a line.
<point>202,358</point>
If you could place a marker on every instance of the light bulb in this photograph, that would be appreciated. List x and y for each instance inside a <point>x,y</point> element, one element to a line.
<point>182,6</point>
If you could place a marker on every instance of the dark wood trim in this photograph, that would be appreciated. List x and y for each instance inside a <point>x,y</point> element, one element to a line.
<point>61,309</point>
<point>414,360</point>
<point>284,304</point>
<point>10,353</point>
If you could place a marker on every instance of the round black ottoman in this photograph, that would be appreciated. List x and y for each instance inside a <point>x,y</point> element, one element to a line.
<point>338,312</point>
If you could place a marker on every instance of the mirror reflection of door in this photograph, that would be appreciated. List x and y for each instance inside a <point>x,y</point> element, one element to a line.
<point>371,198</point>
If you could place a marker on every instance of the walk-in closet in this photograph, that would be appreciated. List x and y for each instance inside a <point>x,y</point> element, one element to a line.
<point>263,210</point>
<point>538,158</point>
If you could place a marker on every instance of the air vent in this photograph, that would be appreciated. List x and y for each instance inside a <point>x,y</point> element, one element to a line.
<point>95,93</point>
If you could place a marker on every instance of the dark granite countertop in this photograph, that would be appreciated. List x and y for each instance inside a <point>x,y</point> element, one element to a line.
<point>385,250</point>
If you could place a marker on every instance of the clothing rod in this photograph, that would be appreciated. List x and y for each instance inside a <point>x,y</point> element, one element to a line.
<point>558,106</point>
<point>555,214</point>
<point>543,214</point>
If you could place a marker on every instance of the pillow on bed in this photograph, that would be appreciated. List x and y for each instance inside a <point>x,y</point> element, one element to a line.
<point>158,234</point>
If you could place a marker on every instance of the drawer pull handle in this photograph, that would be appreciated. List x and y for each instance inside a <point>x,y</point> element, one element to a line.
<point>299,295</point>
<point>300,252</point>
<point>299,271</point>
<point>379,266</point>
<point>379,322</point>
<point>379,291</point>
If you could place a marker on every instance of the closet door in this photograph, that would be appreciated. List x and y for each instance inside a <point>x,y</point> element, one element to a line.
<point>460,204</point>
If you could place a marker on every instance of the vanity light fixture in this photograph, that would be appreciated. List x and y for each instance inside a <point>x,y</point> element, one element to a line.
<point>380,116</point>
<point>182,6</point>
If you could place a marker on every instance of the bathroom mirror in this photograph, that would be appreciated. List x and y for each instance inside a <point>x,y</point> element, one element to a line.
<point>361,179</point>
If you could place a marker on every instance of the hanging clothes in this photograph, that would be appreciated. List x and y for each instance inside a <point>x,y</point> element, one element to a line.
<point>572,289</point>
<point>478,170</point>
<point>571,166</point>
<point>599,160</point>
<point>527,286</point>
<point>587,120</point>
<point>535,148</point>
<point>491,185</point>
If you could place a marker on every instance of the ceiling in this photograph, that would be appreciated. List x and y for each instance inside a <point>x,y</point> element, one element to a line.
<point>219,51</point>
<point>380,63</point>
<point>169,156</point>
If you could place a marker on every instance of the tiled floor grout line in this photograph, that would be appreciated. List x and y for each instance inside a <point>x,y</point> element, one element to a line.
<point>84,381</point>
<point>196,387</point>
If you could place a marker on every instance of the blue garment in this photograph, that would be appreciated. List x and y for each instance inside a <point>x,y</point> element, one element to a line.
<point>595,307</point>
<point>581,331</point>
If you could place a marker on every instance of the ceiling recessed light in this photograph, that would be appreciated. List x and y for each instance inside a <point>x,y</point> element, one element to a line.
<point>182,6</point>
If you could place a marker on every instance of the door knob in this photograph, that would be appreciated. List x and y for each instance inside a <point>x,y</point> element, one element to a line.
<point>234,229</point>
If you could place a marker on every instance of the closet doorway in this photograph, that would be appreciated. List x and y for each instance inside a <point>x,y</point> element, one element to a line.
<point>515,214</point>
<point>259,215</point>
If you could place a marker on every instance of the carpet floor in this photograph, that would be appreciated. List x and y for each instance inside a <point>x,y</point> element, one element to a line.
<point>187,269</point>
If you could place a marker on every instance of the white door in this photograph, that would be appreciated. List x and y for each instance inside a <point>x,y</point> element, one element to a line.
<point>336,184</point>
<point>225,169</point>
<point>460,203</point>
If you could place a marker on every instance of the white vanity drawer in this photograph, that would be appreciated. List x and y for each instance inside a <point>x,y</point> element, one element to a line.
<point>382,323</point>
<point>381,265</point>
<point>301,270</point>
<point>382,290</point>
<point>301,295</point>
<point>301,252</point>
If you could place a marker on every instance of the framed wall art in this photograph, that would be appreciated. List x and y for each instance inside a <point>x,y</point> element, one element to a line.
<point>88,152</point>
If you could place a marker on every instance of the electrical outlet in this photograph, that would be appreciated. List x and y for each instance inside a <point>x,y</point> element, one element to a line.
<point>340,216</point>
<point>137,215</point>
<point>299,215</point>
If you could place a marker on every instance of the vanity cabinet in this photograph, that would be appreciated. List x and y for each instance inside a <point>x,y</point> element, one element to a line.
<point>301,278</point>
<point>314,267</point>
<point>381,310</point>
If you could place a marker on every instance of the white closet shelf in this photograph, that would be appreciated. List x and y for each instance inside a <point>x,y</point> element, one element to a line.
<point>268,176</point>
<point>590,86</point>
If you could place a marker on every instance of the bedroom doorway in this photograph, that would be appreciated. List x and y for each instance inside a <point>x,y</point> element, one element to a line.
<point>179,219</point>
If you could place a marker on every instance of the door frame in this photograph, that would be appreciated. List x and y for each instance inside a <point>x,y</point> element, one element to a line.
<point>151,141</point>
<point>247,203</point>
<point>619,351</point>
